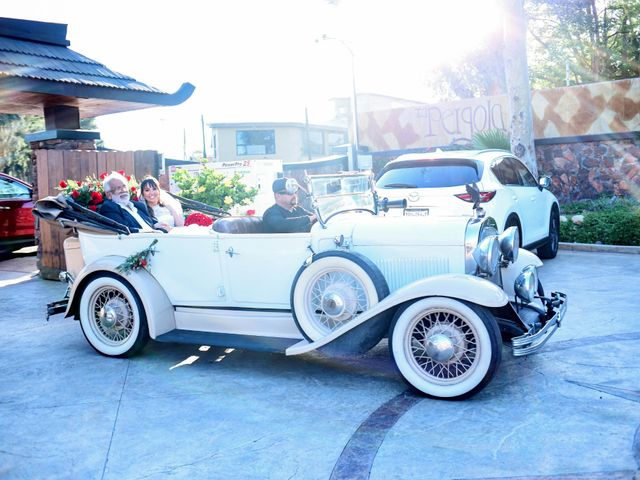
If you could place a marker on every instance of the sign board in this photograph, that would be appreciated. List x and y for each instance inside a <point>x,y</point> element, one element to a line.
<point>258,174</point>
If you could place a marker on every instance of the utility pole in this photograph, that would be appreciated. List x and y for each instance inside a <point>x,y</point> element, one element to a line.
<point>517,79</point>
<point>204,144</point>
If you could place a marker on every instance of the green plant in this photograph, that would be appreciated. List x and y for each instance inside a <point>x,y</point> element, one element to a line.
<point>491,139</point>
<point>213,188</point>
<point>612,221</point>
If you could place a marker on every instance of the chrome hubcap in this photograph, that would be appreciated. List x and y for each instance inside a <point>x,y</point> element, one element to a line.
<point>440,347</point>
<point>336,297</point>
<point>113,317</point>
<point>443,345</point>
<point>333,304</point>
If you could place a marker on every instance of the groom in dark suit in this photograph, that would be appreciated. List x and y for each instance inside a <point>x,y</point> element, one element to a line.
<point>119,207</point>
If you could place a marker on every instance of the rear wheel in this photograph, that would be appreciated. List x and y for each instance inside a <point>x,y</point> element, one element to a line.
<point>446,348</point>
<point>550,249</point>
<point>112,317</point>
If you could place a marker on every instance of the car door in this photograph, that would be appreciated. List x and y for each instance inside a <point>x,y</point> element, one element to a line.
<point>16,220</point>
<point>259,268</point>
<point>509,172</point>
<point>535,213</point>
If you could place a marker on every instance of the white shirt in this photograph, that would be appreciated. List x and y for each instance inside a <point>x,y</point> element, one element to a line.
<point>131,208</point>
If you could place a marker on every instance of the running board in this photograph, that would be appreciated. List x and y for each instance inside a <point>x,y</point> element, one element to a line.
<point>248,342</point>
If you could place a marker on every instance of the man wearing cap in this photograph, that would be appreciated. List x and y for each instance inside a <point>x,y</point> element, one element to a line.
<point>286,216</point>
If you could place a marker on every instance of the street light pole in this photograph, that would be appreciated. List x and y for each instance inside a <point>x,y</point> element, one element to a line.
<point>354,105</point>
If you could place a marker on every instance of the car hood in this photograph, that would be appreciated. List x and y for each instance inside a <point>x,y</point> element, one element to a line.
<point>365,229</point>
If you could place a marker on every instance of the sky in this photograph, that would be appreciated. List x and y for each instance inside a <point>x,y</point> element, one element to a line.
<point>259,60</point>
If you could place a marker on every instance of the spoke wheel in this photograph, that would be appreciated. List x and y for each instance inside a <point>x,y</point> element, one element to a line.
<point>444,347</point>
<point>112,318</point>
<point>333,290</point>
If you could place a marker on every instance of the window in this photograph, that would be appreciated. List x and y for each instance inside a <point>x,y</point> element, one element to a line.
<point>316,143</point>
<point>334,139</point>
<point>431,174</point>
<point>525,176</point>
<point>255,142</point>
<point>10,189</point>
<point>511,171</point>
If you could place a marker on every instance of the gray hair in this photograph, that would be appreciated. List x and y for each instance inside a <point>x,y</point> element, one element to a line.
<point>106,183</point>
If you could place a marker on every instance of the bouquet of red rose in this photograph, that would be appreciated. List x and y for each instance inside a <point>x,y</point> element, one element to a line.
<point>89,192</point>
<point>197,218</point>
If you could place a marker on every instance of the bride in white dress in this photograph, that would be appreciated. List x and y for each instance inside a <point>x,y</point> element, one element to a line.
<point>162,206</point>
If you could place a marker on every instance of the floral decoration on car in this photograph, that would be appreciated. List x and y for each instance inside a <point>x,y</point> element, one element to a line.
<point>138,260</point>
<point>89,192</point>
<point>197,218</point>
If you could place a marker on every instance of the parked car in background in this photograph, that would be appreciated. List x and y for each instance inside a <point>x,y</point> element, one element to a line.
<point>436,184</point>
<point>17,225</point>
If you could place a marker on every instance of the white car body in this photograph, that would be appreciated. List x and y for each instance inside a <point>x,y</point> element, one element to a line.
<point>518,199</point>
<point>344,286</point>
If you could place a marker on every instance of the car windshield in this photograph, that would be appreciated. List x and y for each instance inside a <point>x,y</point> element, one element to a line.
<point>432,174</point>
<point>338,193</point>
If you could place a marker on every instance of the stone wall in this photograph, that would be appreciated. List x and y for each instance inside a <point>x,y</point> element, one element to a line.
<point>590,169</point>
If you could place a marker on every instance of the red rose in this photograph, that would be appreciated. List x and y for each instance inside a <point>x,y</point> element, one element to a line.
<point>198,218</point>
<point>133,189</point>
<point>128,177</point>
<point>103,175</point>
<point>121,172</point>
<point>79,184</point>
<point>63,184</point>
<point>93,207</point>
<point>143,263</point>
<point>134,198</point>
<point>96,197</point>
<point>75,194</point>
<point>251,212</point>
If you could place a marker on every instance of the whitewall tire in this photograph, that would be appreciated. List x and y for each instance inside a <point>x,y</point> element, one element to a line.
<point>444,347</point>
<point>112,317</point>
<point>334,289</point>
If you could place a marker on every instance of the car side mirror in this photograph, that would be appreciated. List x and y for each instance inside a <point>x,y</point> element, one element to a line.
<point>544,182</point>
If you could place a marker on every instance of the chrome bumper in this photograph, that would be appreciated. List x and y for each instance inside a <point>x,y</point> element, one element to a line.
<point>532,341</point>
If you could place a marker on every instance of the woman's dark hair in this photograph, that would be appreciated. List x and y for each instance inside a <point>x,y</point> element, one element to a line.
<point>151,183</point>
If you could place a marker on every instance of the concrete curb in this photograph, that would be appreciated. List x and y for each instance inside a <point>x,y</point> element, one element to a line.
<point>596,247</point>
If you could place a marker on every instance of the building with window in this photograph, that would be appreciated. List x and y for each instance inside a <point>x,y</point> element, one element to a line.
<point>289,142</point>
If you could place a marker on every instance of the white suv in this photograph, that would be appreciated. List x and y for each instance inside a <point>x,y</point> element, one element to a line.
<point>436,184</point>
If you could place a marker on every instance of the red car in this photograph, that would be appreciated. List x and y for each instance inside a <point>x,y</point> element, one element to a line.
<point>17,225</point>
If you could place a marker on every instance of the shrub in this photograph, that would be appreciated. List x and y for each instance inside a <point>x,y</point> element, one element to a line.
<point>612,221</point>
<point>214,189</point>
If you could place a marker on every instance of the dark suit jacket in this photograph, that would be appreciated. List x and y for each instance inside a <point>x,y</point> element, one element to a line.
<point>112,210</point>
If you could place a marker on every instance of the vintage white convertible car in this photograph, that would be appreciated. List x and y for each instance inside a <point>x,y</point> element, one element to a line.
<point>445,291</point>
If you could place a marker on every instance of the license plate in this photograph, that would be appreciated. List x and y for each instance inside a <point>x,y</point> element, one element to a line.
<point>417,212</point>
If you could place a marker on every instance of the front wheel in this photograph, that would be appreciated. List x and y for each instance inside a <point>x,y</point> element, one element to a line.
<point>445,348</point>
<point>550,249</point>
<point>112,317</point>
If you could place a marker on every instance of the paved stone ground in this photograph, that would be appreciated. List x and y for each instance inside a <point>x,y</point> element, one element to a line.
<point>178,411</point>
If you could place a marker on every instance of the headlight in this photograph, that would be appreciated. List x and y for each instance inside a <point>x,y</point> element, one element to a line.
<point>487,255</point>
<point>526,285</point>
<point>509,243</point>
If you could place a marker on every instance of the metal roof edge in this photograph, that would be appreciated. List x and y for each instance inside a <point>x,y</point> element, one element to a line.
<point>84,91</point>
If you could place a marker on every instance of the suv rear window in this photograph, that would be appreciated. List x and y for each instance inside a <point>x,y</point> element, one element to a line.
<point>430,174</point>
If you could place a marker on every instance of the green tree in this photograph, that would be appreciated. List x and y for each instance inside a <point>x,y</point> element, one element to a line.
<point>596,39</point>
<point>599,40</point>
<point>15,154</point>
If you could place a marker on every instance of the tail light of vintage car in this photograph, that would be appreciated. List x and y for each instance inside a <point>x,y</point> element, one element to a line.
<point>484,196</point>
